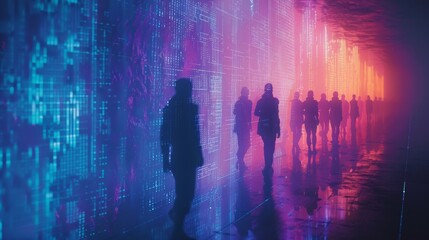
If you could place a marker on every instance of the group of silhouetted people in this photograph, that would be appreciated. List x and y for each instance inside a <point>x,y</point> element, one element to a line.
<point>180,135</point>
<point>267,109</point>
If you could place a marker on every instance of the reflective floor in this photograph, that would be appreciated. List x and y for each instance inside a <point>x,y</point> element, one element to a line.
<point>354,191</point>
<point>350,192</point>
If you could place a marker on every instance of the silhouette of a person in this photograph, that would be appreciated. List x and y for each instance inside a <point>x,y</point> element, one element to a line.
<point>180,133</point>
<point>369,109</point>
<point>311,113</point>
<point>296,120</point>
<point>267,109</point>
<point>243,113</point>
<point>375,110</point>
<point>361,110</point>
<point>354,114</point>
<point>335,116</point>
<point>324,114</point>
<point>345,112</point>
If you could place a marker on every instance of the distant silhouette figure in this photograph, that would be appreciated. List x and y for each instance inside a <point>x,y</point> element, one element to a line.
<point>324,114</point>
<point>375,108</point>
<point>361,107</point>
<point>381,112</point>
<point>180,132</point>
<point>267,108</point>
<point>376,113</point>
<point>335,116</point>
<point>354,113</point>
<point>296,120</point>
<point>345,112</point>
<point>243,113</point>
<point>311,113</point>
<point>369,110</point>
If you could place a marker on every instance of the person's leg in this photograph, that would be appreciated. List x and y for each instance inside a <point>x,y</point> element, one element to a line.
<point>269,145</point>
<point>314,130</point>
<point>246,146</point>
<point>243,146</point>
<point>240,151</point>
<point>294,135</point>
<point>337,132</point>
<point>266,147</point>
<point>272,145</point>
<point>188,189</point>
<point>308,131</point>
<point>176,213</point>
<point>185,180</point>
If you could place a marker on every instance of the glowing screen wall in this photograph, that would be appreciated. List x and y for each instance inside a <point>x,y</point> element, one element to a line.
<point>83,84</point>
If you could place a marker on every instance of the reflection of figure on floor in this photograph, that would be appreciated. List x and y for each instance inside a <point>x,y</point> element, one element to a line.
<point>242,126</point>
<point>335,117</point>
<point>180,132</point>
<point>243,205</point>
<point>336,174</point>
<point>311,187</point>
<point>296,181</point>
<point>354,114</point>
<point>311,113</point>
<point>343,140</point>
<point>268,225</point>
<point>353,139</point>
<point>267,109</point>
<point>369,110</point>
<point>324,114</point>
<point>369,117</point>
<point>296,120</point>
<point>345,112</point>
<point>323,170</point>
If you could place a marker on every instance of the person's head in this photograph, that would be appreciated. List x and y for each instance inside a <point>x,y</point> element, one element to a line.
<point>323,96</point>
<point>335,94</point>
<point>368,98</point>
<point>310,94</point>
<point>183,87</point>
<point>296,95</point>
<point>354,96</point>
<point>244,92</point>
<point>375,98</point>
<point>268,88</point>
<point>343,96</point>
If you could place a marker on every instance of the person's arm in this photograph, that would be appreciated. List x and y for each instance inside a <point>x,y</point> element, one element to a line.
<point>199,151</point>
<point>277,118</point>
<point>257,109</point>
<point>165,139</point>
<point>317,112</point>
<point>249,115</point>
